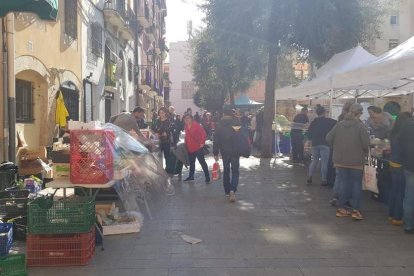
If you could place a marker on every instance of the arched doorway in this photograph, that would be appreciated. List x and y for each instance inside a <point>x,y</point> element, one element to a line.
<point>71,97</point>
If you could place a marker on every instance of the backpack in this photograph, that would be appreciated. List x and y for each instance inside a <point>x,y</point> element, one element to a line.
<point>243,145</point>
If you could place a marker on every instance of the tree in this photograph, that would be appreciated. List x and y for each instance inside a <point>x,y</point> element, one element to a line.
<point>315,29</point>
<point>225,60</point>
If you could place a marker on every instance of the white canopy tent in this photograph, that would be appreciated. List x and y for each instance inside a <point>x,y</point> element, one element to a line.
<point>326,75</point>
<point>390,74</point>
<point>392,71</point>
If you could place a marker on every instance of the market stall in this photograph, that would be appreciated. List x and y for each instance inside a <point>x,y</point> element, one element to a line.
<point>62,231</point>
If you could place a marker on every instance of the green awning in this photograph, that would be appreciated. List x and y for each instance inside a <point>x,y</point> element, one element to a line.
<point>45,9</point>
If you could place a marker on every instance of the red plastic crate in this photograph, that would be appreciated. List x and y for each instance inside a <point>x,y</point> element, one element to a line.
<point>60,250</point>
<point>91,156</point>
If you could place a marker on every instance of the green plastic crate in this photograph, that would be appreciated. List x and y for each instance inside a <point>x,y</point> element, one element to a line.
<point>13,265</point>
<point>73,215</point>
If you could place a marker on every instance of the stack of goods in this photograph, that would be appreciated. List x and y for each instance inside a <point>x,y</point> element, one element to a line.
<point>9,264</point>
<point>61,160</point>
<point>113,222</point>
<point>60,233</point>
<point>30,160</point>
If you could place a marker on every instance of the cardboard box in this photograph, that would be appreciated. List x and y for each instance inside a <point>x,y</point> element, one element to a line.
<point>32,154</point>
<point>61,170</point>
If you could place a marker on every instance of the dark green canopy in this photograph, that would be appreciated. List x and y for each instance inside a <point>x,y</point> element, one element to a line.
<point>45,9</point>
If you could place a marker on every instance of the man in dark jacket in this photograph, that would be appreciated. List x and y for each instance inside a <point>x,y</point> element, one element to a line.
<point>296,135</point>
<point>223,142</point>
<point>317,132</point>
<point>406,138</point>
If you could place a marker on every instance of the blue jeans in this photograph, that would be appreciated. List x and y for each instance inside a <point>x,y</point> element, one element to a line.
<point>232,163</point>
<point>321,152</point>
<point>395,201</point>
<point>350,187</point>
<point>408,204</point>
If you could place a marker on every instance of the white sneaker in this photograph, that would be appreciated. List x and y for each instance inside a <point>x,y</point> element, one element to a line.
<point>232,196</point>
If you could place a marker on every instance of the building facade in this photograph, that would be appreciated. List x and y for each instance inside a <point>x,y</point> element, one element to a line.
<point>397,27</point>
<point>99,54</point>
<point>47,60</point>
<point>152,53</point>
<point>182,87</point>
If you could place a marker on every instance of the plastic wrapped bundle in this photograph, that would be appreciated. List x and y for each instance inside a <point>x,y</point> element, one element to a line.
<point>142,173</point>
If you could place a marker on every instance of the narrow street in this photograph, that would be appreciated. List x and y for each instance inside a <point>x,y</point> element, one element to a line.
<point>279,226</point>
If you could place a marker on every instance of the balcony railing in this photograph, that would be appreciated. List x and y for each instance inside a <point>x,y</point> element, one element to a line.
<point>116,5</point>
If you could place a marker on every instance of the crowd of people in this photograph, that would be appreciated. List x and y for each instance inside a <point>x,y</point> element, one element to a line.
<point>342,148</point>
<point>223,129</point>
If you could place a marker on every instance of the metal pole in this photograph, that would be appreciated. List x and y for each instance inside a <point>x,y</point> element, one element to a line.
<point>11,87</point>
<point>331,99</point>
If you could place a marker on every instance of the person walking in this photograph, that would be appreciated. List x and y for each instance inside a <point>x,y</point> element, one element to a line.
<point>350,142</point>
<point>396,198</point>
<point>317,132</point>
<point>296,135</point>
<point>178,127</point>
<point>224,143</point>
<point>195,139</point>
<point>164,129</point>
<point>405,139</point>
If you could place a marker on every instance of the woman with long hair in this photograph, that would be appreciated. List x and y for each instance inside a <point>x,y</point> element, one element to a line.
<point>195,139</point>
<point>164,127</point>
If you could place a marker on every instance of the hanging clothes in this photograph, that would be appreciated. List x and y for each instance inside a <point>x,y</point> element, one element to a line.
<point>61,111</point>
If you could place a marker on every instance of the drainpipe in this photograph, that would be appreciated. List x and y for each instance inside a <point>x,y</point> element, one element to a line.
<point>11,87</point>
<point>5,121</point>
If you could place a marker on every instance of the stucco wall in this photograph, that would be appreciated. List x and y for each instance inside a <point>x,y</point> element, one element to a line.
<point>180,70</point>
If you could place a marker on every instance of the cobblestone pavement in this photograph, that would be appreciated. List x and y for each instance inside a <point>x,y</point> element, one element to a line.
<point>279,226</point>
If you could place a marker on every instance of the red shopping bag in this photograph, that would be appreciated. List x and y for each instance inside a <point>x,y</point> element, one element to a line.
<point>216,171</point>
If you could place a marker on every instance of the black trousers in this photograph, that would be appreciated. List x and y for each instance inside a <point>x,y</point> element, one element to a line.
<point>199,155</point>
<point>297,145</point>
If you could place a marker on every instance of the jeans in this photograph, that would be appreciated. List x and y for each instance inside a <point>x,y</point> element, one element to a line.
<point>321,152</point>
<point>297,145</point>
<point>232,163</point>
<point>408,204</point>
<point>350,187</point>
<point>395,201</point>
<point>200,156</point>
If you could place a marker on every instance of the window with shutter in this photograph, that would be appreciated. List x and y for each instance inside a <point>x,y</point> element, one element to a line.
<point>96,36</point>
<point>71,18</point>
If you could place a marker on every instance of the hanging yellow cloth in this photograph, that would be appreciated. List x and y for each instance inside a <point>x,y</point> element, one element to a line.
<point>61,111</point>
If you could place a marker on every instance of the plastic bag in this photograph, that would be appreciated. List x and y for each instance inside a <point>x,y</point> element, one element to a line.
<point>216,174</point>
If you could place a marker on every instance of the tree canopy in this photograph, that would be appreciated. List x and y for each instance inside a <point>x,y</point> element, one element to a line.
<point>240,35</point>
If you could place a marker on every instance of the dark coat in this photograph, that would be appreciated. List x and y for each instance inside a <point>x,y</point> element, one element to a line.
<point>223,141</point>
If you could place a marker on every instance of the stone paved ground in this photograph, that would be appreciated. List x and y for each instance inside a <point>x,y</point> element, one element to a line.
<point>279,226</point>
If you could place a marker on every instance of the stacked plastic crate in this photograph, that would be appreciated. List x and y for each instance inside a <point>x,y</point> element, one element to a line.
<point>10,264</point>
<point>62,232</point>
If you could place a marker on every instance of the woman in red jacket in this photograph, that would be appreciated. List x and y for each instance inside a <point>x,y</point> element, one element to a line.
<point>195,138</point>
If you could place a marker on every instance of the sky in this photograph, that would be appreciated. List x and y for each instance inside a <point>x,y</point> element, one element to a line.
<point>179,12</point>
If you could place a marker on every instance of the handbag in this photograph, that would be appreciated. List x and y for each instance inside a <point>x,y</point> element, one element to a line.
<point>216,173</point>
<point>369,181</point>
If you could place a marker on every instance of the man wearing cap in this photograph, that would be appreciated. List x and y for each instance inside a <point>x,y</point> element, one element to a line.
<point>350,142</point>
<point>129,122</point>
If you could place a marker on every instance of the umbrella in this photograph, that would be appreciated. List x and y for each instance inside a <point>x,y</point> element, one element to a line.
<point>61,111</point>
<point>45,9</point>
